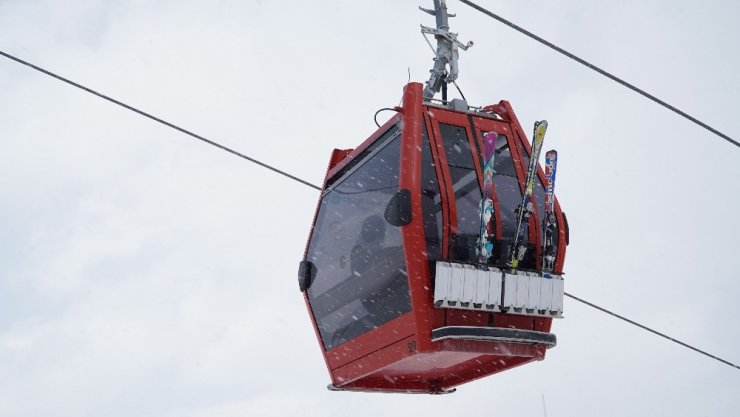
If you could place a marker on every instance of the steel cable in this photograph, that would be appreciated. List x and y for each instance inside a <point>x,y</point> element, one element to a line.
<point>601,71</point>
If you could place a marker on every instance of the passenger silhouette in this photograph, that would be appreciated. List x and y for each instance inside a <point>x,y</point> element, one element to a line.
<point>368,249</point>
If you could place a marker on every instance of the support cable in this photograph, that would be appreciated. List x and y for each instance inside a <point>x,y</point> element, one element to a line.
<point>634,323</point>
<point>157,119</point>
<point>278,171</point>
<point>601,71</point>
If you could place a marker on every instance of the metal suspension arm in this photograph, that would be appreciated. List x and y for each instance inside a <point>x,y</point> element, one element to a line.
<point>447,50</point>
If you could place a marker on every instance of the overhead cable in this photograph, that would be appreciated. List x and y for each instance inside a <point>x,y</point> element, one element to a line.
<point>634,323</point>
<point>601,71</point>
<point>157,119</point>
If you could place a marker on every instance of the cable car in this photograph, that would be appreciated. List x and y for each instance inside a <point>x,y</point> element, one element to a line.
<point>393,281</point>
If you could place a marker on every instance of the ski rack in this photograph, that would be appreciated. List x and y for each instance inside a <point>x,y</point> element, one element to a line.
<point>466,287</point>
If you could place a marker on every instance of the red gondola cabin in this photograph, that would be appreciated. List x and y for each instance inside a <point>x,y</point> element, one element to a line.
<point>388,274</point>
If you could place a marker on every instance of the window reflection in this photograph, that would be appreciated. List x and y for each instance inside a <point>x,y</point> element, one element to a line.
<point>509,197</point>
<point>431,202</point>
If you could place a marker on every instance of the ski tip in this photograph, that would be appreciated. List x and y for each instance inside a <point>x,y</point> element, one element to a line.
<point>540,128</point>
<point>489,139</point>
<point>490,135</point>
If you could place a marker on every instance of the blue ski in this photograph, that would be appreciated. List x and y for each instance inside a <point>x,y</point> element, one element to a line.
<point>548,221</point>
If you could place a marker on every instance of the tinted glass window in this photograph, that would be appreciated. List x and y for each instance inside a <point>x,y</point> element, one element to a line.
<point>361,157</point>
<point>431,203</point>
<point>509,197</point>
<point>361,279</point>
<point>467,191</point>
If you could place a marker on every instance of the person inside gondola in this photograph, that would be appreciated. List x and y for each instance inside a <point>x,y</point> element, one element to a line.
<point>369,246</point>
<point>381,270</point>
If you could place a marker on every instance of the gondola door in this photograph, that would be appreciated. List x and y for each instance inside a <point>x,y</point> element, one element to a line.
<point>457,153</point>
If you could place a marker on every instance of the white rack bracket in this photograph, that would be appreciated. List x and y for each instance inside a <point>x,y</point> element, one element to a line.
<point>466,287</point>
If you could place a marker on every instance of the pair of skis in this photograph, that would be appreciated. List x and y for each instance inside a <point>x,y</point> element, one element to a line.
<point>526,208</point>
<point>486,237</point>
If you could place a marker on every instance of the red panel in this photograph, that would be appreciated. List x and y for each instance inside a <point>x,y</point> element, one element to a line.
<point>372,341</point>
<point>466,318</point>
<point>486,368</point>
<point>542,324</point>
<point>513,321</point>
<point>373,362</point>
<point>337,156</point>
<point>453,362</point>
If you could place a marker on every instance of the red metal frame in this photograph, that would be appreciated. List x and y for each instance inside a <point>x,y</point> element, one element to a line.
<point>400,355</point>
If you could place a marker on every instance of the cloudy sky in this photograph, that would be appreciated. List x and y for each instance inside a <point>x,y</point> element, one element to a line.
<point>145,273</point>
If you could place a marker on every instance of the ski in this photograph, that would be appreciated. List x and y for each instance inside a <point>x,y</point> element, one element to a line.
<point>548,221</point>
<point>526,208</point>
<point>486,237</point>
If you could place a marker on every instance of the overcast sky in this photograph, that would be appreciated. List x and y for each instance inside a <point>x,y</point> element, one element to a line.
<point>143,273</point>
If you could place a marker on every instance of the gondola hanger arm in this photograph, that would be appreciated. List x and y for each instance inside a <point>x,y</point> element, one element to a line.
<point>446,54</point>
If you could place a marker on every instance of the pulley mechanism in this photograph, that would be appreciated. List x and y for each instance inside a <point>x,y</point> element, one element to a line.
<point>447,50</point>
